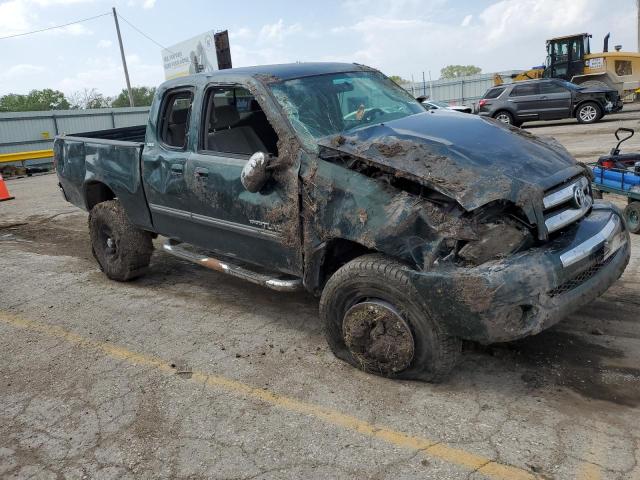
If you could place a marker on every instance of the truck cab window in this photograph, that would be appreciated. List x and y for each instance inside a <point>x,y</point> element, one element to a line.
<point>234,122</point>
<point>175,119</point>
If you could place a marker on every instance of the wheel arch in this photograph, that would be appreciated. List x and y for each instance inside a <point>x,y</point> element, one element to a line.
<point>587,100</point>
<point>327,258</point>
<point>96,192</point>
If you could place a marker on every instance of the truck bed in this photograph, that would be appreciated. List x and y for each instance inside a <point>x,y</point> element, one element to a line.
<point>125,134</point>
<point>103,164</point>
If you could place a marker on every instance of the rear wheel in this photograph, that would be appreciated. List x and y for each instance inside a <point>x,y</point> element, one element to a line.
<point>122,250</point>
<point>632,217</point>
<point>589,112</point>
<point>504,117</point>
<point>375,320</point>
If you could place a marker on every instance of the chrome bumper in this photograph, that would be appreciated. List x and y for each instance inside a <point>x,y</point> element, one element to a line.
<point>611,238</point>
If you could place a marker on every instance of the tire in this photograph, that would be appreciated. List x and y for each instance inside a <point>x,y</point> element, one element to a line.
<point>504,117</point>
<point>632,217</point>
<point>122,250</point>
<point>588,112</point>
<point>370,307</point>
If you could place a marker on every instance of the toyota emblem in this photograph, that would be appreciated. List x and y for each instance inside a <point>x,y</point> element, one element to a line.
<point>579,197</point>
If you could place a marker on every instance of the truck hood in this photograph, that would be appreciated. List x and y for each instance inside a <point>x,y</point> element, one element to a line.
<point>471,159</point>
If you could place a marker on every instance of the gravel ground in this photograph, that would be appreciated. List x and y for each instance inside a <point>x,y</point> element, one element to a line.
<point>186,373</point>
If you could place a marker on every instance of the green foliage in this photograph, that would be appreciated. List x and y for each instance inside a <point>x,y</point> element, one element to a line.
<point>35,100</point>
<point>455,71</point>
<point>398,80</point>
<point>142,97</point>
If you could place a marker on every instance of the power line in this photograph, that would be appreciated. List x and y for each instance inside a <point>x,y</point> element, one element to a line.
<point>57,26</point>
<point>142,33</point>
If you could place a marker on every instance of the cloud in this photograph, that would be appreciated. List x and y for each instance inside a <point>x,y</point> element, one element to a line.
<point>15,17</point>
<point>19,16</point>
<point>407,38</point>
<point>105,74</point>
<point>104,44</point>
<point>277,32</point>
<point>21,70</point>
<point>146,4</point>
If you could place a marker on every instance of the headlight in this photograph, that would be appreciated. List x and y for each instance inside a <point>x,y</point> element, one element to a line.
<point>496,240</point>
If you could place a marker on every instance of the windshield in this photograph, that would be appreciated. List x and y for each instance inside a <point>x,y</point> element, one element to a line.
<point>440,104</point>
<point>339,103</point>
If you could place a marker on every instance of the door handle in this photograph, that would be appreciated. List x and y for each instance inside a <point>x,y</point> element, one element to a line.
<point>200,172</point>
<point>543,98</point>
<point>176,169</point>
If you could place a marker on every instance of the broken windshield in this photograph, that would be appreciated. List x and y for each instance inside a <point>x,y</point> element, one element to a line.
<point>326,105</point>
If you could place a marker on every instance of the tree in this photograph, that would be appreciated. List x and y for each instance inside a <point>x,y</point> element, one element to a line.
<point>35,100</point>
<point>398,80</point>
<point>88,98</point>
<point>455,71</point>
<point>142,97</point>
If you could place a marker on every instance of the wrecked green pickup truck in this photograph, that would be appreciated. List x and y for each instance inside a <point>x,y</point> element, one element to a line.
<point>416,229</point>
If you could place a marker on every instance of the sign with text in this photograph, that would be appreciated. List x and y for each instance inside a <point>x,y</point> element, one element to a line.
<point>195,55</point>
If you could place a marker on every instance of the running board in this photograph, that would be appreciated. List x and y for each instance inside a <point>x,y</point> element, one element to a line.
<point>274,283</point>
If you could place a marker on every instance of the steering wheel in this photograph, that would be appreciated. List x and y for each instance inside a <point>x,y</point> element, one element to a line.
<point>372,114</point>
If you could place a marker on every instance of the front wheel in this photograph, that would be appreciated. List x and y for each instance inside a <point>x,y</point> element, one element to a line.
<point>589,112</point>
<point>632,217</point>
<point>375,320</point>
<point>122,250</point>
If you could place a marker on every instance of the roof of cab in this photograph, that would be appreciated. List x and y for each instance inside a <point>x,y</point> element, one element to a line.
<point>285,71</point>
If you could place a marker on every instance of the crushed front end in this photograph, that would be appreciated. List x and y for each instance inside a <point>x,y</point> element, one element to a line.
<point>521,294</point>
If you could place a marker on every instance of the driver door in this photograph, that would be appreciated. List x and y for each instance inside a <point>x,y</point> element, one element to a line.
<point>261,228</point>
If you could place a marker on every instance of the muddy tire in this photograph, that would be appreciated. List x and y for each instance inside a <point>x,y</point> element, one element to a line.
<point>122,250</point>
<point>375,320</point>
<point>632,217</point>
<point>588,112</point>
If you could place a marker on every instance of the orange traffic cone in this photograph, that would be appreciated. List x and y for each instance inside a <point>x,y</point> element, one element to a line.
<point>4,192</point>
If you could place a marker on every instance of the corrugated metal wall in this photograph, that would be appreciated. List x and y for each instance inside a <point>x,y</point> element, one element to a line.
<point>458,91</point>
<point>24,131</point>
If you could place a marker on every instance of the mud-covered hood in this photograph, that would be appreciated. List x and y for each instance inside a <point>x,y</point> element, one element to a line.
<point>466,157</point>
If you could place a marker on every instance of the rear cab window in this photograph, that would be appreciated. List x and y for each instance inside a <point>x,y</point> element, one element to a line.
<point>174,119</point>
<point>494,93</point>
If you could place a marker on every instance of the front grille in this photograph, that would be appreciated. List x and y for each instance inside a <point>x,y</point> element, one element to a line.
<point>566,204</point>
<point>581,277</point>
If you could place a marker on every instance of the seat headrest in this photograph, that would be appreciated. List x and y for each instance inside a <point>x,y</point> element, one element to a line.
<point>179,116</point>
<point>225,116</point>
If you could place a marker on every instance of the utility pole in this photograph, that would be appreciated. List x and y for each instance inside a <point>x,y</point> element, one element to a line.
<point>124,60</point>
<point>638,22</point>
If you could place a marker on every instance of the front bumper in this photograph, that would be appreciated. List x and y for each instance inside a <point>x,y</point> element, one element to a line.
<point>523,294</point>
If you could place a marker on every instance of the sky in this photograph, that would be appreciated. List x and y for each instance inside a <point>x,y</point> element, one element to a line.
<point>399,37</point>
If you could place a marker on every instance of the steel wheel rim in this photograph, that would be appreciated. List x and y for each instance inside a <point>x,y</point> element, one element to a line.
<point>633,219</point>
<point>588,113</point>
<point>504,118</point>
<point>378,337</point>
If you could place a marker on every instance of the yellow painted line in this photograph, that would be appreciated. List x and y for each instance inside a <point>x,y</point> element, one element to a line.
<point>435,449</point>
<point>21,156</point>
<point>589,471</point>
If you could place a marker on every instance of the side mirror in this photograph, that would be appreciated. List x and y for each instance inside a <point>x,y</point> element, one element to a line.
<point>255,173</point>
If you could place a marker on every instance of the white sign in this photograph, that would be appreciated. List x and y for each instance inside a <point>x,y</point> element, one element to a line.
<point>595,63</point>
<point>195,55</point>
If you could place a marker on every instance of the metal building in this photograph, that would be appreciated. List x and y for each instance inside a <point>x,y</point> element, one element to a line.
<point>458,91</point>
<point>25,131</point>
